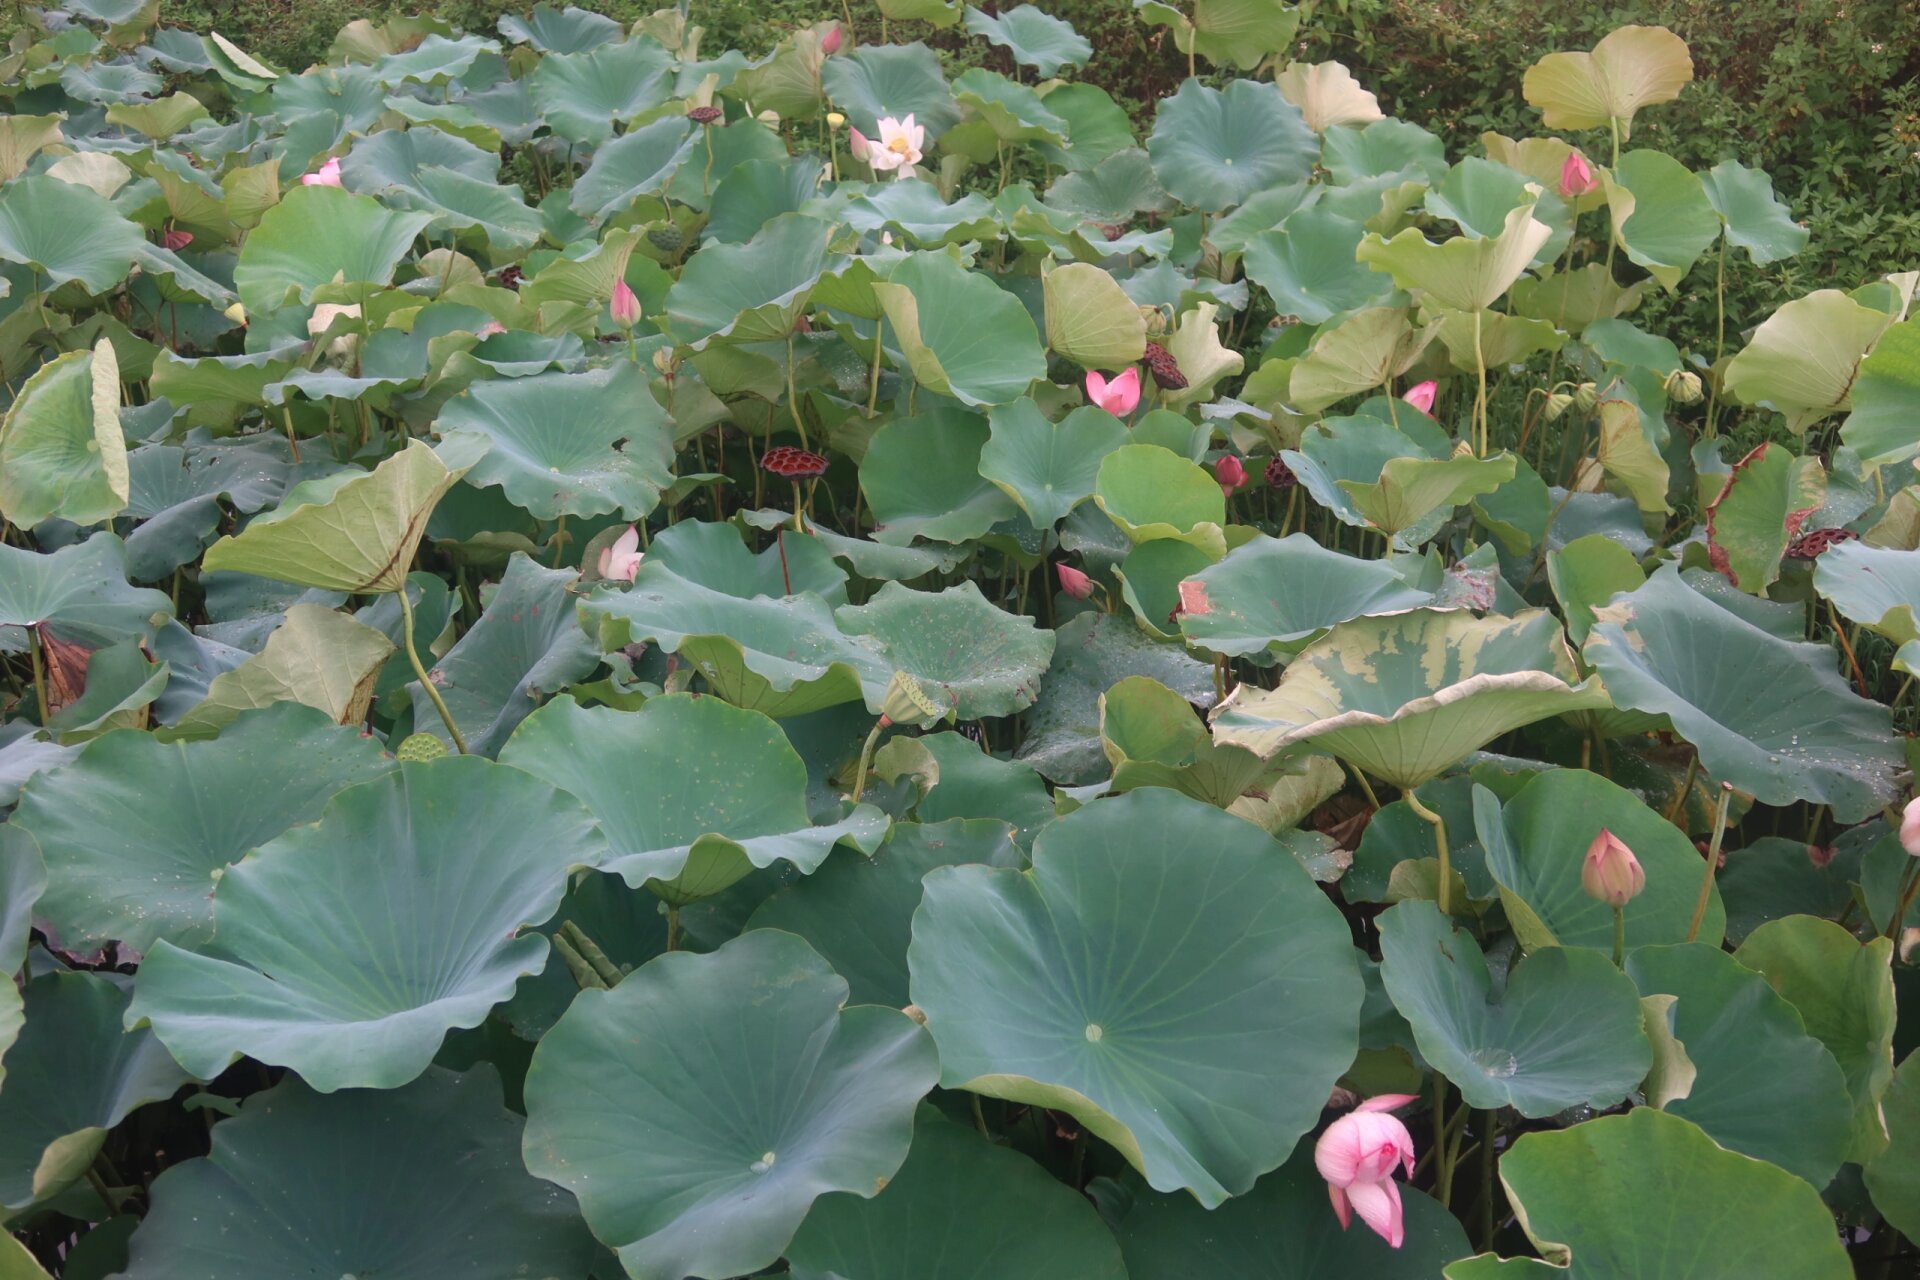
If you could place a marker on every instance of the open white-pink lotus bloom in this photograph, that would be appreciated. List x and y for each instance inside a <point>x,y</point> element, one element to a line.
<point>1357,1155</point>
<point>621,558</point>
<point>899,146</point>
<point>327,175</point>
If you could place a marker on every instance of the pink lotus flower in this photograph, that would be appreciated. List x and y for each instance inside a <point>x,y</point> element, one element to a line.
<point>621,558</point>
<point>1421,397</point>
<point>899,147</point>
<point>1194,599</point>
<point>1576,177</point>
<point>625,307</point>
<point>1610,873</point>
<point>1120,396</point>
<point>1910,828</point>
<point>830,43</point>
<point>489,329</point>
<point>327,175</point>
<point>1073,582</point>
<point>1231,473</point>
<point>1357,1155</point>
<point>176,239</point>
<point>858,144</point>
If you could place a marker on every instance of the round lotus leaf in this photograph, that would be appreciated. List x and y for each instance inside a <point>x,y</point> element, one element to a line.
<point>1752,216</point>
<point>567,30</point>
<point>317,235</point>
<point>71,1076</point>
<point>1227,33</point>
<point>1406,697</point>
<point>1661,213</point>
<point>1213,148</point>
<point>956,779</point>
<point>691,793</point>
<point>1894,1175</point>
<point>1273,595</point>
<point>422,1181</point>
<point>138,832</point>
<point>1771,716</point>
<point>1536,844</point>
<point>881,80</point>
<point>62,452</point>
<point>1877,587</point>
<point>1017,1221</point>
<point>633,165</point>
<point>752,292</point>
<point>1696,1209</point>
<point>700,1108</point>
<point>1164,973</point>
<point>1154,493</point>
<point>350,947</point>
<point>584,96</point>
<point>67,232</point>
<point>1804,359</point>
<point>715,556</point>
<point>1466,273</point>
<point>971,658</point>
<point>922,476</point>
<point>1283,1227</point>
<point>1150,579</point>
<point>1885,395</point>
<point>1754,1060</point>
<point>1564,1030</point>
<point>1032,38</point>
<point>916,211</point>
<point>80,591</point>
<point>23,876</point>
<point>1631,67</point>
<point>962,334</point>
<point>1048,468</point>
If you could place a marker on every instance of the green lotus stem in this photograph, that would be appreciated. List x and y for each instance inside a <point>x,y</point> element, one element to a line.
<point>1366,788</point>
<point>793,399</point>
<point>1713,860</point>
<point>706,176</point>
<point>1613,231</point>
<point>293,441</point>
<point>1480,396</point>
<point>1620,938</point>
<point>559,540</point>
<point>673,927</point>
<point>798,527</point>
<point>873,378</point>
<point>1719,332</point>
<point>39,672</point>
<point>1490,1126</point>
<point>1901,905</point>
<point>1440,842</point>
<point>980,1118</point>
<point>866,758</point>
<point>413,656</point>
<point>1677,810</point>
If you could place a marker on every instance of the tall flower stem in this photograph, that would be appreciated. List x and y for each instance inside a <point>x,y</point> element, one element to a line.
<point>1713,861</point>
<point>413,656</point>
<point>1480,397</point>
<point>1439,825</point>
<point>1619,937</point>
<point>866,758</point>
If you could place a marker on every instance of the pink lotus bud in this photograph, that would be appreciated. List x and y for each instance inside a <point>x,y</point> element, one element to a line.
<point>625,307</point>
<point>1576,177</point>
<point>1118,397</point>
<point>327,175</point>
<point>1357,1156</point>
<point>1231,473</point>
<point>176,239</point>
<point>1611,874</point>
<point>830,43</point>
<point>1910,828</point>
<point>1421,397</point>
<point>488,329</point>
<point>1073,582</point>
<point>621,559</point>
<point>858,144</point>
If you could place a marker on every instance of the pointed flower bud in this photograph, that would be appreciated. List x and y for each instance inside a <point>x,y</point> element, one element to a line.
<point>1421,397</point>
<point>1576,177</point>
<point>1910,828</point>
<point>1610,873</point>
<point>1073,582</point>
<point>625,307</point>
<point>1231,473</point>
<point>327,175</point>
<point>830,43</point>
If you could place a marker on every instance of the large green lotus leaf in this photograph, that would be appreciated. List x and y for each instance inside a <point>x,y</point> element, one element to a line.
<point>67,232</point>
<point>700,1108</point>
<point>1282,1228</point>
<point>1203,359</point>
<point>714,556</point>
<point>969,657</point>
<point>1098,129</point>
<point>72,1075</point>
<point>691,793</point>
<point>1754,1060</point>
<point>1465,273</point>
<point>353,533</point>
<point>23,875</point>
<point>755,192</point>
<point>1410,490</point>
<point>1571,300</point>
<point>568,30</point>
<point>1628,453</point>
<point>637,164</point>
<point>1227,33</point>
<point>1336,452</point>
<point>1563,1030</point>
<point>1771,716</point>
<point>878,80</point>
<point>1697,1211</point>
<point>1018,1221</point>
<point>1844,994</point>
<point>583,96</point>
<point>752,292</point>
<point>1165,973</point>
<point>1000,111</point>
<point>1150,578</point>
<point>319,234</point>
<point>1090,319</point>
<point>857,910</point>
<point>1803,359</point>
<point>18,1263</point>
<point>787,81</point>
<point>317,657</point>
<point>61,449</point>
<point>588,279</point>
<point>1751,215</point>
<point>1154,493</point>
<point>1407,696</point>
<point>1877,587</point>
<point>915,210</point>
<point>1032,39</point>
<point>424,1180</point>
<point>568,444</point>
<point>1768,497</point>
<point>1886,398</point>
<point>1478,194</point>
<point>461,203</point>
<point>1660,213</point>
<point>1213,148</point>
<point>1536,844</point>
<point>1893,1176</point>
<point>962,334</point>
<point>80,592</point>
<point>1047,468</point>
<point>1308,266</point>
<point>1274,595</point>
<point>1384,150</point>
<point>923,477</point>
<point>1631,67</point>
<point>349,948</point>
<point>22,137</point>
<point>138,832</point>
<point>785,656</point>
<point>1153,738</point>
<point>1362,352</point>
<point>1586,573</point>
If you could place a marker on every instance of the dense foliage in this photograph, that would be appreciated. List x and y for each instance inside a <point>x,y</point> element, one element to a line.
<point>626,658</point>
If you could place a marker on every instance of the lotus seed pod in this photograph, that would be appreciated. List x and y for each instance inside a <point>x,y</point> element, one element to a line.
<point>1558,403</point>
<point>1586,396</point>
<point>418,747</point>
<point>1683,387</point>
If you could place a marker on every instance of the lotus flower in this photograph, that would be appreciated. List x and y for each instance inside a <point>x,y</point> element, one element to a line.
<point>830,43</point>
<point>1357,1155</point>
<point>176,239</point>
<point>625,307</point>
<point>1576,177</point>
<point>1194,599</point>
<point>1611,874</point>
<point>322,319</point>
<point>327,175</point>
<point>899,147</point>
<point>1118,397</point>
<point>861,148</point>
<point>1421,397</point>
<point>1910,827</point>
<point>1077,584</point>
<point>621,558</point>
<point>1231,473</point>
<point>489,329</point>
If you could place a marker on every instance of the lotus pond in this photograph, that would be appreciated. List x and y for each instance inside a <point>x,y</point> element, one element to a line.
<point>623,659</point>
